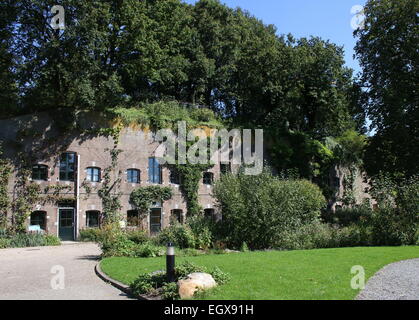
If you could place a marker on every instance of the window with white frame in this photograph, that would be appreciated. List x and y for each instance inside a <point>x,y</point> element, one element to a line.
<point>93,174</point>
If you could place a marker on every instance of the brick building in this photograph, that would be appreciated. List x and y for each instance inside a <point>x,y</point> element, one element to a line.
<point>73,164</point>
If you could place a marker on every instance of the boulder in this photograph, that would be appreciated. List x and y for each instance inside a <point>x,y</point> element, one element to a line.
<point>194,282</point>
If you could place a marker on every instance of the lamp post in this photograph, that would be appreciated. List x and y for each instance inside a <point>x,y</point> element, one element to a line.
<point>170,262</point>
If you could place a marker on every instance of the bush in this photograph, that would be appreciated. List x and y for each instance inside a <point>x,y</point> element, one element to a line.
<point>348,216</point>
<point>396,220</point>
<point>5,243</point>
<point>257,209</point>
<point>91,235</point>
<point>170,291</point>
<point>320,235</point>
<point>115,243</point>
<point>155,283</point>
<point>51,240</point>
<point>137,236</point>
<point>148,283</point>
<point>203,230</point>
<point>23,240</point>
<point>148,250</point>
<point>180,235</point>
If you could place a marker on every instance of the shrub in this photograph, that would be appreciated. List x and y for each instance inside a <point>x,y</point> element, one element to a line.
<point>115,243</point>
<point>180,235</point>
<point>348,216</point>
<point>189,252</point>
<point>203,230</point>
<point>155,283</point>
<point>257,209</point>
<point>320,235</point>
<point>91,235</point>
<point>396,220</point>
<point>170,291</point>
<point>148,283</point>
<point>137,236</point>
<point>23,240</point>
<point>5,243</point>
<point>219,276</point>
<point>244,247</point>
<point>186,268</point>
<point>51,240</point>
<point>148,250</point>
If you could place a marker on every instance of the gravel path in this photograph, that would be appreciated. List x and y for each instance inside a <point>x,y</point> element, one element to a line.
<point>397,281</point>
<point>29,273</point>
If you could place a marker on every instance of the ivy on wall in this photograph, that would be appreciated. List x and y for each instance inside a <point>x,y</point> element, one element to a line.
<point>26,194</point>
<point>109,192</point>
<point>5,172</point>
<point>142,198</point>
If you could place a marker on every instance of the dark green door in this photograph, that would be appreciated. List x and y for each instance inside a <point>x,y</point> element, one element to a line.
<point>66,224</point>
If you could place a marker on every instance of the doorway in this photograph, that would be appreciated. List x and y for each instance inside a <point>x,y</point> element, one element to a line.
<point>66,224</point>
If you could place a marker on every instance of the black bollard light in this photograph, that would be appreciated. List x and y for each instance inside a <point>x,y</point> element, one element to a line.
<point>170,262</point>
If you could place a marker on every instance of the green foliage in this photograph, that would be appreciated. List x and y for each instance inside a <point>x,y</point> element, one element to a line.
<point>166,115</point>
<point>51,240</point>
<point>204,231</point>
<point>170,291</point>
<point>144,197</point>
<point>256,209</point>
<point>244,247</point>
<point>396,220</point>
<point>344,217</point>
<point>319,235</point>
<point>155,283</point>
<point>181,235</point>
<point>137,236</point>
<point>26,195</point>
<point>5,204</point>
<point>23,240</point>
<point>387,51</point>
<point>5,243</point>
<point>147,284</point>
<point>219,276</point>
<point>109,191</point>
<point>191,176</point>
<point>91,235</point>
<point>148,250</point>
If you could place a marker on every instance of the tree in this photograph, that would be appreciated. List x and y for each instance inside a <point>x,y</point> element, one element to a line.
<point>8,87</point>
<point>387,51</point>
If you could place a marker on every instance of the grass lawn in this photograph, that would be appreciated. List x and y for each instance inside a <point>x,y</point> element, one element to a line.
<point>286,275</point>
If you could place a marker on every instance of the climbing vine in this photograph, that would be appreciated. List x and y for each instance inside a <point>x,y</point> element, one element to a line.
<point>5,172</point>
<point>109,192</point>
<point>142,198</point>
<point>26,194</point>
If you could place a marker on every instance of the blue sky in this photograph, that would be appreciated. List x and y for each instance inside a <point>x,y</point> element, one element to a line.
<point>328,19</point>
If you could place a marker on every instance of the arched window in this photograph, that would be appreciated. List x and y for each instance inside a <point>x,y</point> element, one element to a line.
<point>40,172</point>
<point>93,174</point>
<point>133,176</point>
<point>92,219</point>
<point>208,178</point>
<point>38,218</point>
<point>67,166</point>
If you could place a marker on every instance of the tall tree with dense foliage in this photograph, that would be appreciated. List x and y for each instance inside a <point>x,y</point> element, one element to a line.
<point>387,49</point>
